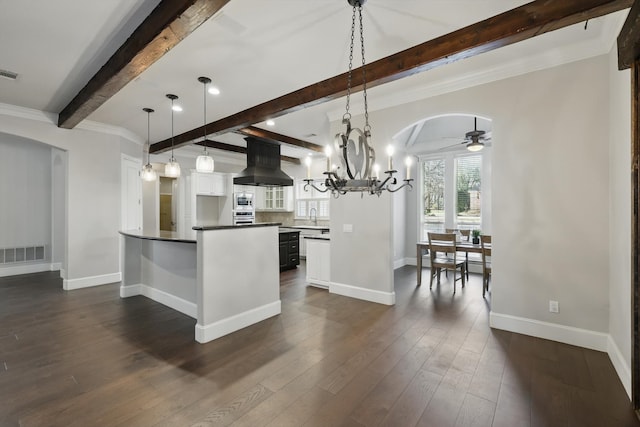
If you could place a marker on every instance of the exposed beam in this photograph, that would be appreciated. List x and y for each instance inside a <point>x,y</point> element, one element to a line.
<point>521,23</point>
<point>168,24</point>
<point>276,137</point>
<point>242,150</point>
<point>628,40</point>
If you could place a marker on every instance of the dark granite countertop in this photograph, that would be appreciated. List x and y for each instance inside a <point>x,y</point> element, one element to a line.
<point>167,236</point>
<point>227,227</point>
<point>318,237</point>
<point>288,230</point>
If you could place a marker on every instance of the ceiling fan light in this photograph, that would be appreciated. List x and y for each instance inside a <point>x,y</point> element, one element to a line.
<point>204,164</point>
<point>148,174</point>
<point>172,169</point>
<point>475,146</point>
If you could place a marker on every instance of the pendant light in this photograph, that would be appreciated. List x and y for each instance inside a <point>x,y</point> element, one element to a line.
<point>172,169</point>
<point>148,174</point>
<point>204,163</point>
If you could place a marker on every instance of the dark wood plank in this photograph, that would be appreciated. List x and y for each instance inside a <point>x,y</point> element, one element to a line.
<point>277,137</point>
<point>238,149</point>
<point>88,357</point>
<point>166,26</point>
<point>628,47</point>
<point>522,23</point>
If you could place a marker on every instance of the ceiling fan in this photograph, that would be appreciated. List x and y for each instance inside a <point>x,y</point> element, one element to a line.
<point>473,139</point>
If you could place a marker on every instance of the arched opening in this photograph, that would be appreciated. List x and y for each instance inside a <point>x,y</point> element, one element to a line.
<point>33,219</point>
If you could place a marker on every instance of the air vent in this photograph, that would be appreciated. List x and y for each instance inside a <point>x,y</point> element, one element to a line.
<point>26,254</point>
<point>8,74</point>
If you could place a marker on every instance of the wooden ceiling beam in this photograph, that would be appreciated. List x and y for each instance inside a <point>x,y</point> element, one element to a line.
<point>276,137</point>
<point>515,25</point>
<point>628,40</point>
<point>242,150</point>
<point>168,24</point>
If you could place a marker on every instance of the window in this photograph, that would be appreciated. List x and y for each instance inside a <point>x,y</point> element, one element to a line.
<point>433,194</point>
<point>468,194</point>
<point>451,192</point>
<point>311,199</point>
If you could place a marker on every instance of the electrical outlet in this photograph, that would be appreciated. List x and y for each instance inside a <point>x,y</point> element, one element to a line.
<point>347,228</point>
<point>553,306</point>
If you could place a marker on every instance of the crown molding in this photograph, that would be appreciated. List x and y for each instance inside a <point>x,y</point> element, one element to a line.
<point>28,113</point>
<point>52,118</point>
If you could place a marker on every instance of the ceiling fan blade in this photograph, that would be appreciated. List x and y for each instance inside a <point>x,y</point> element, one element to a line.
<point>452,145</point>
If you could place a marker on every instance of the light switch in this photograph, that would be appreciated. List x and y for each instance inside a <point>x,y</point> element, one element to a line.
<point>347,228</point>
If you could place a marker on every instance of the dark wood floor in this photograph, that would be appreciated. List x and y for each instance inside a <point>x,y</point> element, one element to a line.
<point>89,358</point>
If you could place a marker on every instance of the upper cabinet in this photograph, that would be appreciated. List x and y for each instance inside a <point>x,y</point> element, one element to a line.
<point>209,184</point>
<point>274,199</point>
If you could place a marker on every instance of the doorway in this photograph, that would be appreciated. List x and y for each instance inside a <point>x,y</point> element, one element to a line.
<point>168,204</point>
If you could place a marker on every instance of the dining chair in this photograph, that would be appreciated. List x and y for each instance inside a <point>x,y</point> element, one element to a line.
<point>466,236</point>
<point>442,254</point>
<point>485,243</point>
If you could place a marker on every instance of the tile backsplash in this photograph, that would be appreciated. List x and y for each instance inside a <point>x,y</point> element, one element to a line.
<point>285,218</point>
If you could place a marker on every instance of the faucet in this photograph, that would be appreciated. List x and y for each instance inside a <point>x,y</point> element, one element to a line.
<point>313,216</point>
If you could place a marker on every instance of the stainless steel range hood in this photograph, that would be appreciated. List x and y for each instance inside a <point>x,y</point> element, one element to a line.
<point>263,165</point>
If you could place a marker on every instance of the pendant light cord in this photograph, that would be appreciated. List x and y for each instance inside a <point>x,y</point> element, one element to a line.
<point>205,117</point>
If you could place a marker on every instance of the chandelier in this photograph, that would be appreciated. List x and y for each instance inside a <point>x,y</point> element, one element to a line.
<point>357,171</point>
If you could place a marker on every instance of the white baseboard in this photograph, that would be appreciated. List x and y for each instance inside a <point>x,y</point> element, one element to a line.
<point>622,369</point>
<point>550,331</point>
<point>399,263</point>
<point>86,282</point>
<point>212,331</point>
<point>183,306</point>
<point>411,261</point>
<point>55,266</point>
<point>324,284</point>
<point>386,298</point>
<point>14,270</point>
<point>63,273</point>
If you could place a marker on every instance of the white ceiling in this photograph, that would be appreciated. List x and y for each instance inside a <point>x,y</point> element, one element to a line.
<point>257,50</point>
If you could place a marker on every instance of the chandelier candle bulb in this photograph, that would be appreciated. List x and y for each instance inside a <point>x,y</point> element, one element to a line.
<point>407,161</point>
<point>376,171</point>
<point>390,154</point>
<point>307,162</point>
<point>327,152</point>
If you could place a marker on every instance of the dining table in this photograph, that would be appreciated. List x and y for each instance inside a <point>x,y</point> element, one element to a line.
<point>462,246</point>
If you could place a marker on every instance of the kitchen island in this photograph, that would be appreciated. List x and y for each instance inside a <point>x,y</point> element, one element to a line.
<point>226,277</point>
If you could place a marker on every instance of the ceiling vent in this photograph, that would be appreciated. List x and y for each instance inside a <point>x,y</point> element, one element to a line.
<point>8,74</point>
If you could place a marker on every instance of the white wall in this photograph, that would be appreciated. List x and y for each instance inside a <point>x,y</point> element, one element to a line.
<point>620,284</point>
<point>59,208</point>
<point>550,212</point>
<point>25,191</point>
<point>93,192</point>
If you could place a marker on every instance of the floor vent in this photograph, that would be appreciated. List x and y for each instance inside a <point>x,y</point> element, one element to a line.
<point>24,254</point>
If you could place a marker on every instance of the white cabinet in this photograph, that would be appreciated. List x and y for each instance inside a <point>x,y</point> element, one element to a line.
<point>209,184</point>
<point>274,199</point>
<point>303,242</point>
<point>318,262</point>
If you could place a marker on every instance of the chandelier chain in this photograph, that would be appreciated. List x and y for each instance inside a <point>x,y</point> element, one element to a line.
<point>347,114</point>
<point>367,127</point>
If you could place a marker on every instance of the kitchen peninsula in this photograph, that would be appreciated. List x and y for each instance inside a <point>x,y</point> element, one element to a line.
<point>226,277</point>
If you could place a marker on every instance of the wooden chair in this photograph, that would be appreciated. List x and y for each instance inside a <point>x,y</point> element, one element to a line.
<point>466,236</point>
<point>485,242</point>
<point>442,254</point>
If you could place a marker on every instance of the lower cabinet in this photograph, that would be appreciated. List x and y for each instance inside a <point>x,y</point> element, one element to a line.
<point>289,250</point>
<point>318,262</point>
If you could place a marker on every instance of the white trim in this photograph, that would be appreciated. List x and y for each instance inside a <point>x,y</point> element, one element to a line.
<point>111,130</point>
<point>183,306</point>
<point>550,331</point>
<point>28,269</point>
<point>622,369</point>
<point>399,263</point>
<point>412,261</point>
<point>55,266</point>
<point>212,331</point>
<point>86,282</point>
<point>63,273</point>
<point>318,283</point>
<point>28,113</point>
<point>386,298</point>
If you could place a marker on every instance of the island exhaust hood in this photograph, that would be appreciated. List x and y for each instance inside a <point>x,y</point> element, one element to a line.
<point>263,165</point>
